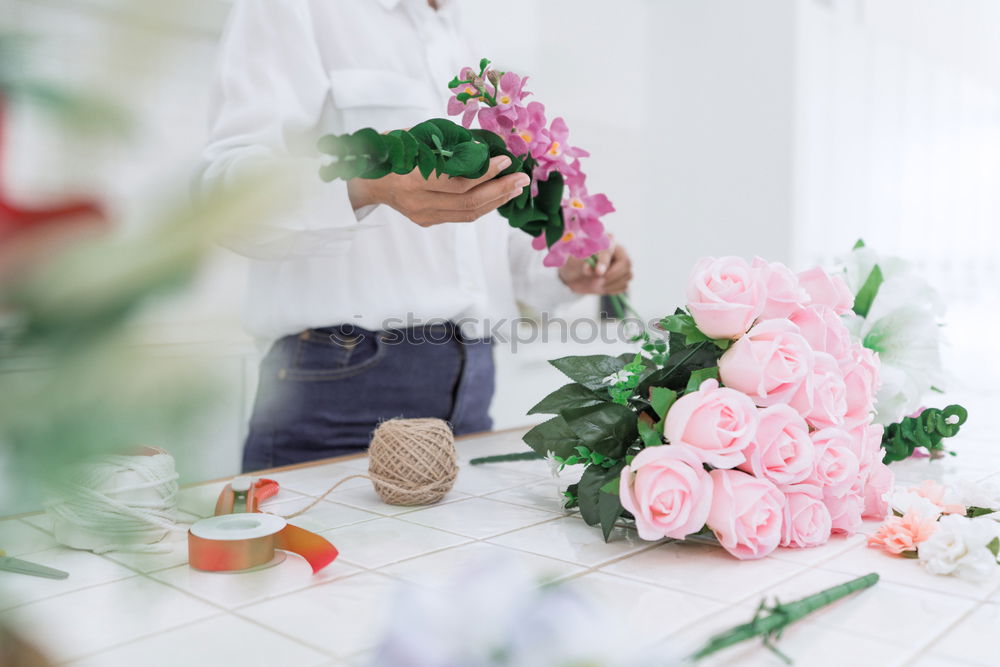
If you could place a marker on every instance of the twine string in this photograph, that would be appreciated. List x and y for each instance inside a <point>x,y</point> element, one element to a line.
<point>410,462</point>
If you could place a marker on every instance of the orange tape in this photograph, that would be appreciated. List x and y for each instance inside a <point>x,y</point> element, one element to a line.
<point>230,542</point>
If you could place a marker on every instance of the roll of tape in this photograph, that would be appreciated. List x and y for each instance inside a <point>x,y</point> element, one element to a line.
<point>233,541</point>
<point>245,540</point>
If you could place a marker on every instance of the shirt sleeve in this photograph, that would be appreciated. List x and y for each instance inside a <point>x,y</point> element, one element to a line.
<point>535,285</point>
<point>270,91</point>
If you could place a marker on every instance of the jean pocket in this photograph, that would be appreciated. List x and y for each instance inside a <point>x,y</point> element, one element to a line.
<point>322,355</point>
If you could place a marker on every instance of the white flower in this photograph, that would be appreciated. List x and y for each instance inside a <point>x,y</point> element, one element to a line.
<point>959,547</point>
<point>905,501</point>
<point>554,466</point>
<point>902,326</point>
<point>979,494</point>
<point>618,377</point>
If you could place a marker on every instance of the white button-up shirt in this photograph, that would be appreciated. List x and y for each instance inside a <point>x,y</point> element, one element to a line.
<point>292,70</point>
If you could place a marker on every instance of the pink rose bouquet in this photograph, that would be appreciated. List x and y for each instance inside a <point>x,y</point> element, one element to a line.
<point>756,426</point>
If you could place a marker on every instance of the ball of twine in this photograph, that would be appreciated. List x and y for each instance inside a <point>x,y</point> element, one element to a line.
<point>412,461</point>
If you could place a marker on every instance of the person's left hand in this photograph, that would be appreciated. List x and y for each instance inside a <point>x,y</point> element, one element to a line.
<point>611,274</point>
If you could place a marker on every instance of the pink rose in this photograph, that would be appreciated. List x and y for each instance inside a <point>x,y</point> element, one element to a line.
<point>746,514</point>
<point>668,491</point>
<point>845,511</point>
<point>716,422</point>
<point>866,443</point>
<point>822,398</point>
<point>781,449</point>
<point>784,294</point>
<point>769,363</point>
<point>806,521</point>
<point>837,467</point>
<point>827,290</point>
<point>880,481</point>
<point>725,296</point>
<point>824,330</point>
<point>861,380</point>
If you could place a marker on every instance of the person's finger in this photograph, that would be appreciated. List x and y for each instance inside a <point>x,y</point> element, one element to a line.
<point>505,188</point>
<point>603,261</point>
<point>618,286</point>
<point>458,185</point>
<point>620,265</point>
<point>475,214</point>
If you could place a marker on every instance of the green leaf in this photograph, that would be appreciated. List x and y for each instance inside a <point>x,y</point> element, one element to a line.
<point>468,160</point>
<point>607,428</point>
<point>425,132</point>
<point>483,64</point>
<point>588,493</point>
<point>568,396</point>
<point>589,370</point>
<point>493,141</point>
<point>973,512</point>
<point>994,546</point>
<point>609,508</point>
<point>682,323</point>
<point>550,193</point>
<point>869,290</point>
<point>613,485</point>
<point>650,436</point>
<point>700,376</point>
<point>662,399</point>
<point>426,160</point>
<point>452,133</point>
<point>553,436</point>
<point>402,152</point>
<point>858,244</point>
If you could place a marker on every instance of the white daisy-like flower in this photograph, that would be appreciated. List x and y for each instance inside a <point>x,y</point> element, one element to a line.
<point>618,377</point>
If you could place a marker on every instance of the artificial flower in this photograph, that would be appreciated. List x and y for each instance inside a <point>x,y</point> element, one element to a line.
<point>780,449</point>
<point>667,490</point>
<point>784,293</point>
<point>747,513</point>
<point>806,520</point>
<point>717,423</point>
<point>899,534</point>
<point>960,546</point>
<point>769,364</point>
<point>828,290</point>
<point>725,295</point>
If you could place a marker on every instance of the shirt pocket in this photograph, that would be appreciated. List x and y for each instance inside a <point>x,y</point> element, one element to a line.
<point>382,99</point>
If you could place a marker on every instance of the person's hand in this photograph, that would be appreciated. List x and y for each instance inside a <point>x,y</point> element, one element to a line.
<point>440,198</point>
<point>610,275</point>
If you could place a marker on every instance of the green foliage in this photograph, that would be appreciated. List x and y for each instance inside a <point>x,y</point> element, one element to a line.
<point>553,436</point>
<point>699,376</point>
<point>440,146</point>
<point>568,396</point>
<point>661,400</point>
<point>591,371</point>
<point>623,389</point>
<point>607,428</point>
<point>869,290</point>
<point>683,324</point>
<point>926,430</point>
<point>598,506</point>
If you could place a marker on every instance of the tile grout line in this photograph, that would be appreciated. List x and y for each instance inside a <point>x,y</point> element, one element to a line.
<point>910,657</point>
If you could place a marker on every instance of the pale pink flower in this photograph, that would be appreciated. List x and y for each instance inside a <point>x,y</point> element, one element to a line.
<point>668,491</point>
<point>725,296</point>
<point>903,533</point>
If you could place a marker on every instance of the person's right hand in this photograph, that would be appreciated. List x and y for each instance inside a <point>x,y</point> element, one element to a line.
<point>440,198</point>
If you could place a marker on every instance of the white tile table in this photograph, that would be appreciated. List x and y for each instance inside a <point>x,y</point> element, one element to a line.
<point>152,609</point>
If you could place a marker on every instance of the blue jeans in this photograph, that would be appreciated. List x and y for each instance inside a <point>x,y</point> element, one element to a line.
<point>323,391</point>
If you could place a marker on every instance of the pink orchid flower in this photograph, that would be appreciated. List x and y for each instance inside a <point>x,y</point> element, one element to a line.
<point>469,108</point>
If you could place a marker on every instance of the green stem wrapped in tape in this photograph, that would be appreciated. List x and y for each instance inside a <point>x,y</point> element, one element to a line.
<point>769,623</point>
